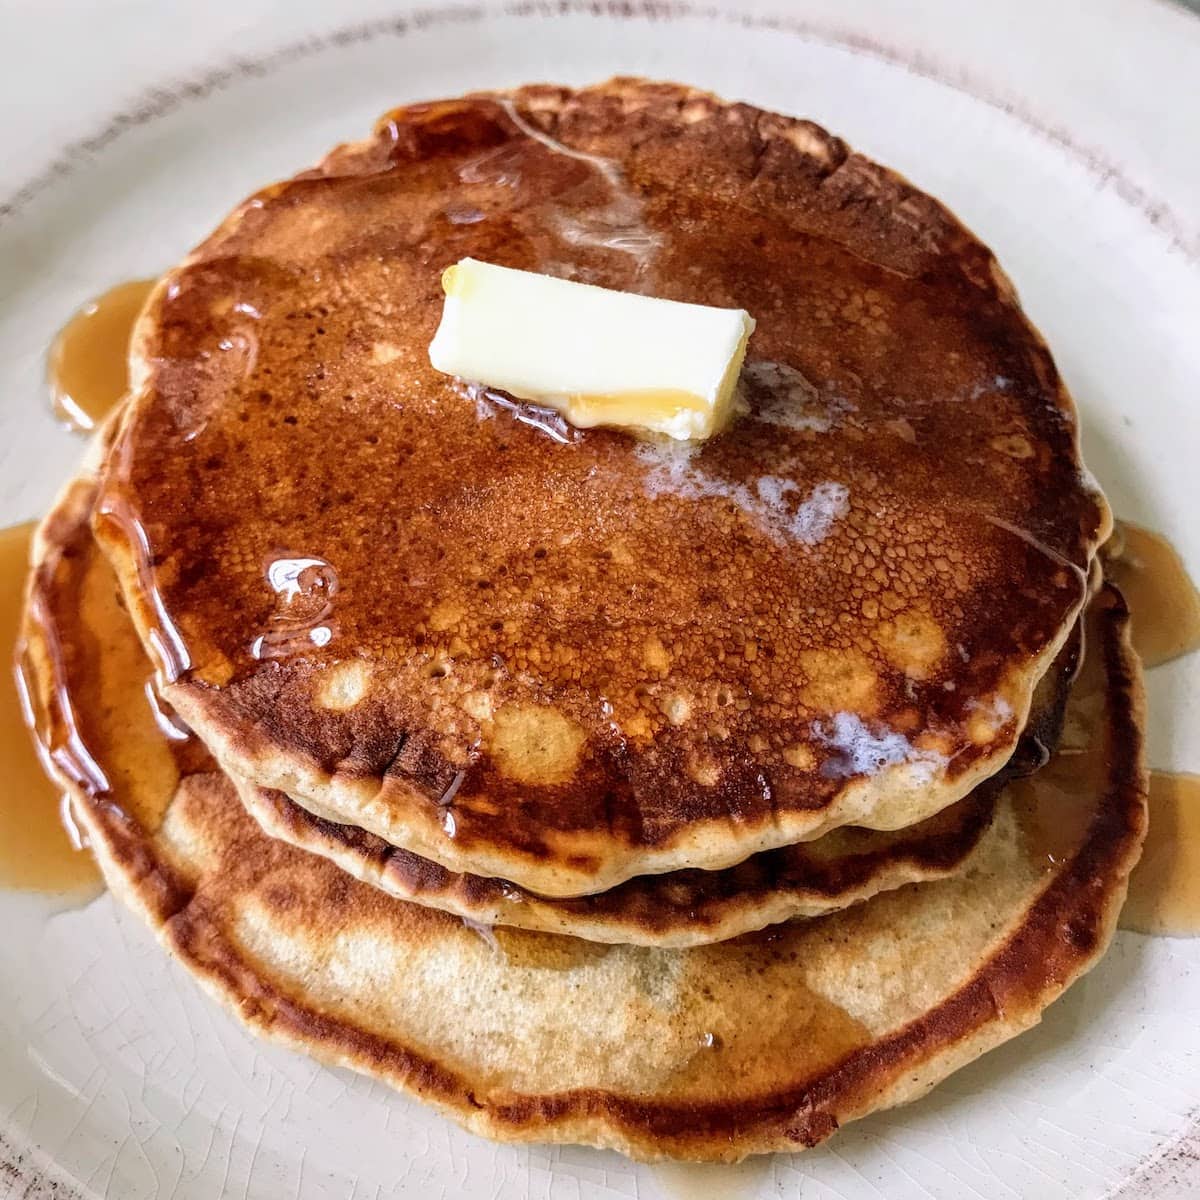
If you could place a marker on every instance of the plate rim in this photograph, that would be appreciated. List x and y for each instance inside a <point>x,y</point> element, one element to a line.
<point>159,99</point>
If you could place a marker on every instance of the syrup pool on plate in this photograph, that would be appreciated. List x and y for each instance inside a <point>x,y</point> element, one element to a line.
<point>39,848</point>
<point>1164,891</point>
<point>87,368</point>
<point>87,372</point>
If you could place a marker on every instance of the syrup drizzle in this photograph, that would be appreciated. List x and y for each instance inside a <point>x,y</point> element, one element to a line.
<point>41,847</point>
<point>88,375</point>
<point>1162,597</point>
<point>618,226</point>
<point>1164,890</point>
<point>87,368</point>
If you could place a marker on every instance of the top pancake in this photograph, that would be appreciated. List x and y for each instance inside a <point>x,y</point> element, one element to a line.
<point>117,741</point>
<point>566,658</point>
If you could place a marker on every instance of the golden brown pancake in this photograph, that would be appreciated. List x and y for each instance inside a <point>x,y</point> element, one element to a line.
<point>679,908</point>
<point>676,909</point>
<point>766,1042</point>
<point>567,658</point>
<point>693,907</point>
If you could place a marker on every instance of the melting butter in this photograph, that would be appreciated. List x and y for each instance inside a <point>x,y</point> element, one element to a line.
<point>598,356</point>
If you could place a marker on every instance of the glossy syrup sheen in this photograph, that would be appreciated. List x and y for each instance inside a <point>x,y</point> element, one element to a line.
<point>88,364</point>
<point>1164,890</point>
<point>107,695</point>
<point>1164,601</point>
<point>1056,804</point>
<point>96,710</point>
<point>38,849</point>
<point>87,368</point>
<point>98,706</point>
<point>87,374</point>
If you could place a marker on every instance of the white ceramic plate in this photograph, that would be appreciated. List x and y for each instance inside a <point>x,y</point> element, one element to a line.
<point>1066,139</point>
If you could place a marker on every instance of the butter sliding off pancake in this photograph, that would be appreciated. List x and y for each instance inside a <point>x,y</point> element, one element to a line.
<point>569,658</point>
<point>766,1042</point>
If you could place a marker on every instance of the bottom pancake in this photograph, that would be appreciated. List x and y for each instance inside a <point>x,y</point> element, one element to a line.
<point>766,1042</point>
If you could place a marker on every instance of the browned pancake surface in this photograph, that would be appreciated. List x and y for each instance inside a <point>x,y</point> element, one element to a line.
<point>695,907</point>
<point>125,741</point>
<point>767,1042</point>
<point>568,658</point>
<point>678,908</point>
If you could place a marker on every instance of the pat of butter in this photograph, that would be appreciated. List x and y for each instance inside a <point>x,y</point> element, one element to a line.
<point>600,357</point>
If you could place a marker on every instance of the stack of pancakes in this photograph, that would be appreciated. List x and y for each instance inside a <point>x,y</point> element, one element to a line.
<point>684,799</point>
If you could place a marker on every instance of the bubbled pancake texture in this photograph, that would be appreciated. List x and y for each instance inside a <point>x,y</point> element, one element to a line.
<point>765,1042</point>
<point>96,638</point>
<point>693,907</point>
<point>569,658</point>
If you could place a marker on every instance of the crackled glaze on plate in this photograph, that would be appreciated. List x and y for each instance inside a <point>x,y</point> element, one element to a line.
<point>116,1075</point>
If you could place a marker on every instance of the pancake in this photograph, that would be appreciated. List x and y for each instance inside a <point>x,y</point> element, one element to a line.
<point>567,658</point>
<point>767,1042</point>
<point>680,908</point>
<point>692,907</point>
<point>677,909</point>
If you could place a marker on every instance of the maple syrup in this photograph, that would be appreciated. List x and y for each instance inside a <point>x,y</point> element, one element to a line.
<point>41,845</point>
<point>1056,804</point>
<point>94,704</point>
<point>1162,598</point>
<point>87,368</point>
<point>40,848</point>
<point>1164,890</point>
